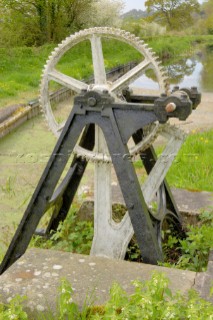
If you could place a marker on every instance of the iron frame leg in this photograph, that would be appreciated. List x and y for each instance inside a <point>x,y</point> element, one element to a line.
<point>131,189</point>
<point>43,192</point>
<point>88,142</point>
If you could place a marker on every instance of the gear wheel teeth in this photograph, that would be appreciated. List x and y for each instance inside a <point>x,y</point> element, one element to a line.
<point>150,50</point>
<point>46,66</point>
<point>141,42</point>
<point>155,55</point>
<point>159,63</point>
<point>108,32</point>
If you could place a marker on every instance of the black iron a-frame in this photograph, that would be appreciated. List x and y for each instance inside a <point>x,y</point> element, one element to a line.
<point>119,122</point>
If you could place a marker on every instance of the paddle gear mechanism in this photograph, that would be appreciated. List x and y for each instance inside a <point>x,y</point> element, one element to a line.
<point>104,117</point>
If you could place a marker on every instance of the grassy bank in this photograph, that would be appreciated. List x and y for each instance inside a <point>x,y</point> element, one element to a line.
<point>20,71</point>
<point>21,67</point>
<point>192,168</point>
<point>172,46</point>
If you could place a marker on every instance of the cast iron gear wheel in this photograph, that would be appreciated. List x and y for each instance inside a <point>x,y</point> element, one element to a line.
<point>94,35</point>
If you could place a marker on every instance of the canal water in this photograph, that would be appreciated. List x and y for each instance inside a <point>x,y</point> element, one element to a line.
<point>195,70</point>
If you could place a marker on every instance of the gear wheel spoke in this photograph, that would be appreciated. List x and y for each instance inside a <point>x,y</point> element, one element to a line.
<point>98,60</point>
<point>67,81</point>
<point>130,76</point>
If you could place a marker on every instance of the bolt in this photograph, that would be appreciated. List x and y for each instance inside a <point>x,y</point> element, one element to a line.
<point>91,101</point>
<point>194,89</point>
<point>170,107</point>
<point>176,88</point>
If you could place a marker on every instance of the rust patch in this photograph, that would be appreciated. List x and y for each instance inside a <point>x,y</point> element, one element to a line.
<point>23,275</point>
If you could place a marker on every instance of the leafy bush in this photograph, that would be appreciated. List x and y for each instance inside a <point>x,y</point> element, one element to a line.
<point>143,28</point>
<point>152,29</point>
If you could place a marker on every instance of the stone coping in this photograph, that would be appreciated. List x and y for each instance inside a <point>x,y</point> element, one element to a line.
<point>39,272</point>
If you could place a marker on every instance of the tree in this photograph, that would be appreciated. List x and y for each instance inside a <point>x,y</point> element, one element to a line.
<point>208,15</point>
<point>35,22</point>
<point>106,13</point>
<point>77,13</point>
<point>176,14</point>
<point>41,21</point>
<point>15,26</point>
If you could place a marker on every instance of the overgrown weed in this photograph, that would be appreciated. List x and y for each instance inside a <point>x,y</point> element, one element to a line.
<point>151,300</point>
<point>191,253</point>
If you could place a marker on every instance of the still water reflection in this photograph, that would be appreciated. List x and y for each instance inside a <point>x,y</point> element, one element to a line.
<point>196,70</point>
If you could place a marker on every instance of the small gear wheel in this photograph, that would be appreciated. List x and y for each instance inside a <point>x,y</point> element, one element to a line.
<point>95,37</point>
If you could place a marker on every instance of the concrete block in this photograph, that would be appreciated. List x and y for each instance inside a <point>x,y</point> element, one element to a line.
<point>39,272</point>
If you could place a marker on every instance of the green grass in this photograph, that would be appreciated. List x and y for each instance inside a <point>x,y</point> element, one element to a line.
<point>20,70</point>
<point>173,46</point>
<point>21,67</point>
<point>193,167</point>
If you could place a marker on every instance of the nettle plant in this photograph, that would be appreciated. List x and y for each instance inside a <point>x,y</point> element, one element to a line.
<point>192,252</point>
<point>151,300</point>
<point>72,235</point>
<point>13,310</point>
